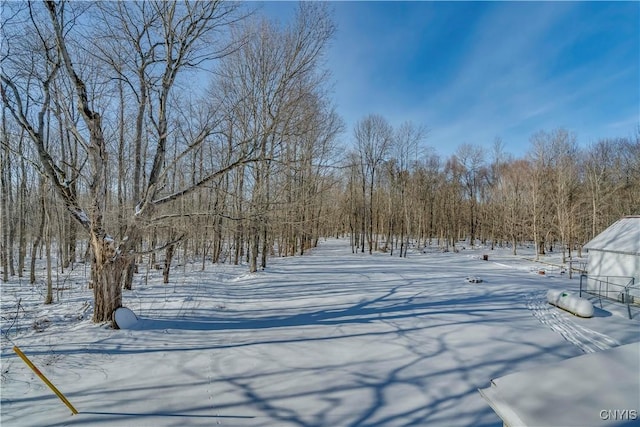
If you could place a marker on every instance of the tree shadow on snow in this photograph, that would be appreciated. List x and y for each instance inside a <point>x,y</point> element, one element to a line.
<point>384,308</point>
<point>398,320</point>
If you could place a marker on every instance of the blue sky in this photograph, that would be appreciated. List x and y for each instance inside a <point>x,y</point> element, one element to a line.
<point>474,71</point>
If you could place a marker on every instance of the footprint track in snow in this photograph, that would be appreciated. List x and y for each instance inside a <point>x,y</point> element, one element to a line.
<point>585,339</point>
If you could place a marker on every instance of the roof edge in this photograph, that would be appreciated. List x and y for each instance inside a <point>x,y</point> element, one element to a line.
<point>597,243</point>
<point>612,251</point>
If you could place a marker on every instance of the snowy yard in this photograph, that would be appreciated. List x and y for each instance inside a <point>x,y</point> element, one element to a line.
<point>328,339</point>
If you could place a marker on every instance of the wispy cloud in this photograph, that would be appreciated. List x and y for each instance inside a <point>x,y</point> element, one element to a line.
<point>474,71</point>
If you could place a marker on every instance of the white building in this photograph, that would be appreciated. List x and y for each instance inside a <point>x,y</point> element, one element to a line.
<point>614,260</point>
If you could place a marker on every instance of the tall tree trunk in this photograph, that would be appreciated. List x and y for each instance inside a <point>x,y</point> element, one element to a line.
<point>22,212</point>
<point>253,250</point>
<point>39,233</point>
<point>47,244</point>
<point>107,269</point>
<point>265,247</point>
<point>4,200</point>
<point>167,263</point>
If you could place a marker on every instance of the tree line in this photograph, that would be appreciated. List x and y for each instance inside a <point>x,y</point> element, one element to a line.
<point>133,131</point>
<point>558,196</point>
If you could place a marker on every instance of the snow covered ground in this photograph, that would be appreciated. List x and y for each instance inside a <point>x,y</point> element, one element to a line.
<point>328,339</point>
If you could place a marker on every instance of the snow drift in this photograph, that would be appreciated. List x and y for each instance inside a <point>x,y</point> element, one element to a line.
<point>570,302</point>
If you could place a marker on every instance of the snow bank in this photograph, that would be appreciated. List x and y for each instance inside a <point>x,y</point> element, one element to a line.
<point>596,389</point>
<point>125,318</point>
<point>570,302</point>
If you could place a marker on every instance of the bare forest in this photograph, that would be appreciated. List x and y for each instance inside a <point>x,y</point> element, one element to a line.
<point>139,132</point>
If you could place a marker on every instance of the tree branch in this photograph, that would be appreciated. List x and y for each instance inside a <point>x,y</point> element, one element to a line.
<point>205,180</point>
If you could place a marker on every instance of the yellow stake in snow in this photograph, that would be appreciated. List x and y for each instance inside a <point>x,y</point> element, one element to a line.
<point>26,360</point>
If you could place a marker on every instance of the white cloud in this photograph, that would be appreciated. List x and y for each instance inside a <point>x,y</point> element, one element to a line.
<point>508,70</point>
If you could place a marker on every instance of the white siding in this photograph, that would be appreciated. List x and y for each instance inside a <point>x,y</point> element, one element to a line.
<point>609,272</point>
<point>614,258</point>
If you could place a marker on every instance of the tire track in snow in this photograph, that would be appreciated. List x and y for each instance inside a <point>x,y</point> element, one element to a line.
<point>587,340</point>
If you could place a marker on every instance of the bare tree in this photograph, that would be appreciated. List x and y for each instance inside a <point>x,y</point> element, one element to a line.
<point>425,180</point>
<point>471,160</point>
<point>404,153</point>
<point>599,163</point>
<point>564,174</point>
<point>511,199</point>
<point>265,87</point>
<point>355,204</point>
<point>538,189</point>
<point>373,136</point>
<point>4,197</point>
<point>183,27</point>
<point>7,162</point>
